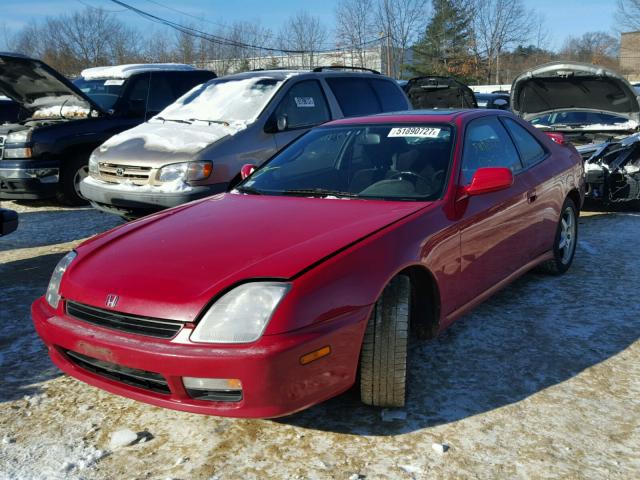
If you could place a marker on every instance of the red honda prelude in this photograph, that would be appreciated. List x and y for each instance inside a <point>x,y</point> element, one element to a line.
<point>268,299</point>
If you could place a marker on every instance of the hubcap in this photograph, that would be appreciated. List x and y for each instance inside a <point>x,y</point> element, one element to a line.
<point>567,241</point>
<point>80,175</point>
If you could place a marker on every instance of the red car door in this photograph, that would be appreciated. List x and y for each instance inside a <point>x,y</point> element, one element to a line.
<point>498,229</point>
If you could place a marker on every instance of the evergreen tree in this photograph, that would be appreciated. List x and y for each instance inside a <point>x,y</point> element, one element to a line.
<point>445,47</point>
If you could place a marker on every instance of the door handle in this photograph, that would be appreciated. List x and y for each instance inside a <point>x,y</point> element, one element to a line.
<point>532,196</point>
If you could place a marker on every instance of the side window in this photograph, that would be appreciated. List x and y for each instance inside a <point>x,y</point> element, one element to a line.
<point>160,94</point>
<point>136,101</point>
<point>355,96</point>
<point>487,144</point>
<point>304,105</point>
<point>391,97</point>
<point>530,150</point>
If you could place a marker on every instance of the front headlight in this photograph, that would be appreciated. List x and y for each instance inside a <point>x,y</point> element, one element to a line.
<point>15,153</point>
<point>53,295</point>
<point>23,136</point>
<point>241,315</point>
<point>186,171</point>
<point>94,171</point>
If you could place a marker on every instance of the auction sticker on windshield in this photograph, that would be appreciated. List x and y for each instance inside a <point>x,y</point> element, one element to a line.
<point>422,132</point>
<point>302,102</point>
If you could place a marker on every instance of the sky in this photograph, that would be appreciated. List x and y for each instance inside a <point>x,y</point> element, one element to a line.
<point>563,17</point>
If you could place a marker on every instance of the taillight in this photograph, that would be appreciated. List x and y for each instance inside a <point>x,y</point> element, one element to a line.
<point>557,137</point>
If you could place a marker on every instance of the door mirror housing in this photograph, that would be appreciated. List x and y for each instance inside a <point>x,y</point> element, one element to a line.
<point>282,123</point>
<point>8,221</point>
<point>247,170</point>
<point>487,180</point>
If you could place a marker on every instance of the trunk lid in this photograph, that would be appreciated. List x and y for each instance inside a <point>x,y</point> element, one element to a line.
<point>439,92</point>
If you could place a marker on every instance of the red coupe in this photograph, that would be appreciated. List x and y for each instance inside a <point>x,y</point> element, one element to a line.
<point>270,298</point>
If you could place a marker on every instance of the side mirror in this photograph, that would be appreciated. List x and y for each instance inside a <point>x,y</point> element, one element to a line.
<point>282,123</point>
<point>8,221</point>
<point>247,170</point>
<point>487,180</point>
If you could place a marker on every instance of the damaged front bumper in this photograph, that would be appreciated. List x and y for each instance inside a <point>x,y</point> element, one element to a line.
<point>28,179</point>
<point>613,170</point>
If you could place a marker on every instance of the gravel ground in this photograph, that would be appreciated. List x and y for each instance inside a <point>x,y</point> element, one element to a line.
<point>541,381</point>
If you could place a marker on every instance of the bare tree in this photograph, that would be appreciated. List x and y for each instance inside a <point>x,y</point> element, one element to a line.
<point>355,27</point>
<point>305,34</point>
<point>399,22</point>
<point>628,15</point>
<point>499,24</point>
<point>592,47</point>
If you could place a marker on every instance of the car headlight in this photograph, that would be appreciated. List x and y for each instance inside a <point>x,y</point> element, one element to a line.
<point>94,171</point>
<point>241,315</point>
<point>185,171</point>
<point>15,153</point>
<point>53,290</point>
<point>22,136</point>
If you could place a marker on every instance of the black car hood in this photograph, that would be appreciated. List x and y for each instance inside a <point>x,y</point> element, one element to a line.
<point>35,85</point>
<point>564,86</point>
<point>439,92</point>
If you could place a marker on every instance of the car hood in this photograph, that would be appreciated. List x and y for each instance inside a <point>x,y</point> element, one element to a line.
<point>36,86</point>
<point>439,92</point>
<point>562,86</point>
<point>158,142</point>
<point>172,264</point>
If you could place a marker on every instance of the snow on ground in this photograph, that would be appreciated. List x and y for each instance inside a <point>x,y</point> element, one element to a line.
<point>541,381</point>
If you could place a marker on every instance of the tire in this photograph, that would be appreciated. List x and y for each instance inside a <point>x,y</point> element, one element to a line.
<point>70,177</point>
<point>564,246</point>
<point>383,359</point>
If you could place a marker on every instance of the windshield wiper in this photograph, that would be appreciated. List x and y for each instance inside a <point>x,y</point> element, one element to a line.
<point>319,192</point>
<point>250,190</point>
<point>173,120</point>
<point>221,122</point>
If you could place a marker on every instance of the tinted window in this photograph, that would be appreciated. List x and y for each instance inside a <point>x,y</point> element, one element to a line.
<point>530,150</point>
<point>391,97</point>
<point>160,94</point>
<point>304,105</point>
<point>355,96</point>
<point>137,95</point>
<point>578,118</point>
<point>487,144</point>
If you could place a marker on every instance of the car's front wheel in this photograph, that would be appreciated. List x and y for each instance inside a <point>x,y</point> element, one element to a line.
<point>383,359</point>
<point>564,246</point>
<point>72,174</point>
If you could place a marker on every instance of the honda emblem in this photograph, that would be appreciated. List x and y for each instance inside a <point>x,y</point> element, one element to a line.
<point>112,301</point>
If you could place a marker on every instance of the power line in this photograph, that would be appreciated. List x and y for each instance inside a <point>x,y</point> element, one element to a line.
<point>218,39</point>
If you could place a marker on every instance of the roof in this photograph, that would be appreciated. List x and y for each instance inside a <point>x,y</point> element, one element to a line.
<point>125,71</point>
<point>417,116</point>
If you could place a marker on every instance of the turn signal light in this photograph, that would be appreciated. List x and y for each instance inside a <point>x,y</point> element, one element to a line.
<point>315,355</point>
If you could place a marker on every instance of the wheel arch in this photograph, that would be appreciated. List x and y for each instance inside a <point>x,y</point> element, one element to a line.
<point>575,196</point>
<point>425,301</point>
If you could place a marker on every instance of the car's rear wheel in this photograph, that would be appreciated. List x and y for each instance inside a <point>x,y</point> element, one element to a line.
<point>564,246</point>
<point>383,359</point>
<point>72,174</point>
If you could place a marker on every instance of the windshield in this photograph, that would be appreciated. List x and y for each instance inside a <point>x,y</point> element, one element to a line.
<point>394,162</point>
<point>104,92</point>
<point>229,101</point>
<point>578,119</point>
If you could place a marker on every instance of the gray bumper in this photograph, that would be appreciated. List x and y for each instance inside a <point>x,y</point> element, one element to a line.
<point>113,199</point>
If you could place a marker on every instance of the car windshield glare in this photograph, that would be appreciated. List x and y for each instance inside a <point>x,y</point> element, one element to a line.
<point>224,101</point>
<point>104,92</point>
<point>390,162</point>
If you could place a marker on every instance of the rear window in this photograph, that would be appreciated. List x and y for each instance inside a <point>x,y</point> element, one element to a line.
<point>391,97</point>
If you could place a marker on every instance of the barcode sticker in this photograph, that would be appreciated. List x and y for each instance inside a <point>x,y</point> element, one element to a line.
<point>302,102</point>
<point>114,81</point>
<point>422,132</point>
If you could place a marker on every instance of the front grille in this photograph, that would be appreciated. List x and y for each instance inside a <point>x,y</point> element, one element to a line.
<point>130,376</point>
<point>114,173</point>
<point>151,327</point>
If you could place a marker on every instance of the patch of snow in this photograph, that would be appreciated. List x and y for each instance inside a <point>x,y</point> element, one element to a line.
<point>122,438</point>
<point>630,169</point>
<point>125,71</point>
<point>235,101</point>
<point>127,186</point>
<point>411,469</point>
<point>169,137</point>
<point>392,415</point>
<point>440,447</point>
<point>71,111</point>
<point>593,167</point>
